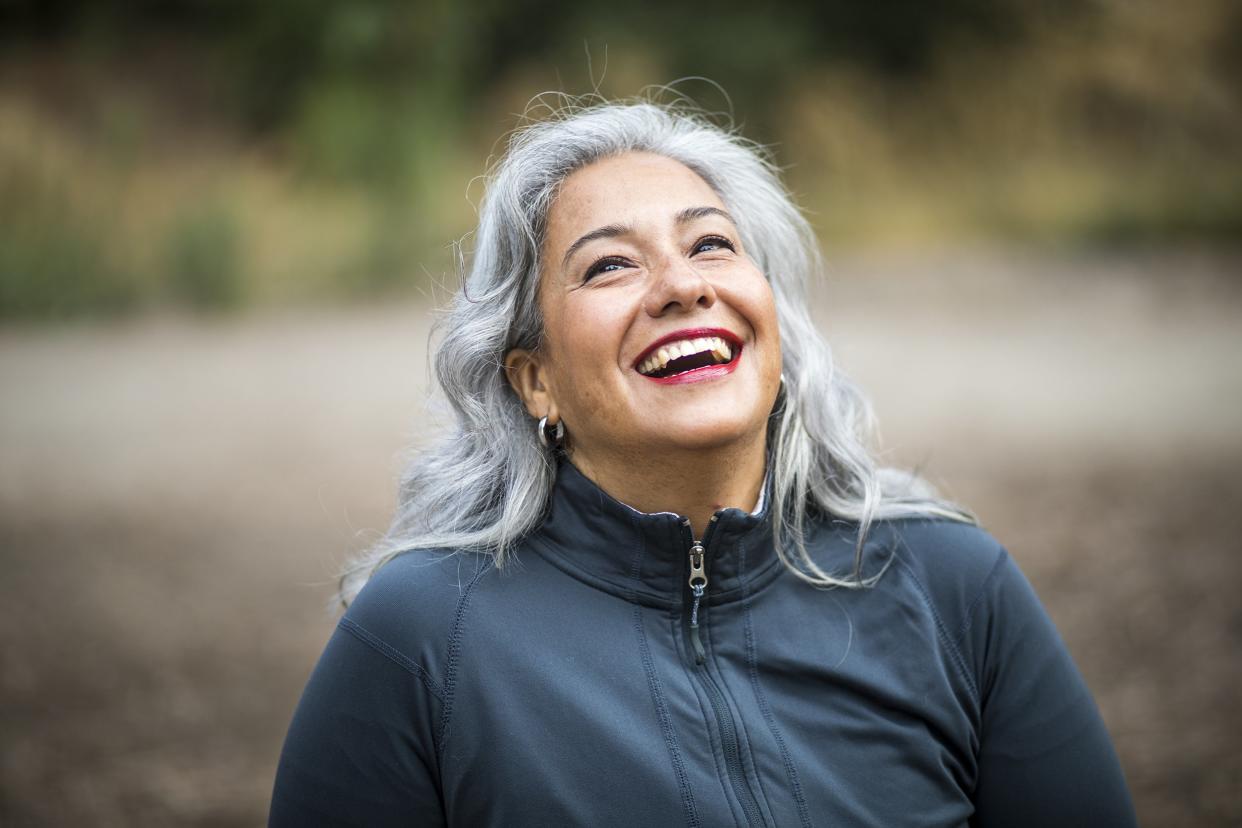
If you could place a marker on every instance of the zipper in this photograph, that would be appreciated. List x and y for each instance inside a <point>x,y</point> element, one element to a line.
<point>724,720</point>
<point>698,586</point>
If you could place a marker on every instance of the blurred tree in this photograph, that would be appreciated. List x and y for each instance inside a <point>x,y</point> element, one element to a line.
<point>443,53</point>
<point>335,135</point>
<point>202,258</point>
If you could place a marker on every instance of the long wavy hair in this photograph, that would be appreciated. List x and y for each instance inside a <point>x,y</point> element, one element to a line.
<point>486,483</point>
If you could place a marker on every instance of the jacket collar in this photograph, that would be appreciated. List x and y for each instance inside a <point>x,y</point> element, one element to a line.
<point>645,557</point>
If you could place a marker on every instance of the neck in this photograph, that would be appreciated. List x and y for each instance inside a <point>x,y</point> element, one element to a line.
<point>693,483</point>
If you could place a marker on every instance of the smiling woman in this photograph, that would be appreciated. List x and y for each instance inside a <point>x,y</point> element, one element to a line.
<point>663,281</point>
<point>602,600</point>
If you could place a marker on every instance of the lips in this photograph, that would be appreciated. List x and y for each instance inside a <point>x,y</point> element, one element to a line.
<point>690,354</point>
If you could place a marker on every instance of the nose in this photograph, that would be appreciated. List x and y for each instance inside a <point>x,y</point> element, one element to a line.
<point>677,285</point>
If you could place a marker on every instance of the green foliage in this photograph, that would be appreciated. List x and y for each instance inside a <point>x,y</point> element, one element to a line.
<point>270,57</point>
<point>202,253</point>
<point>1211,214</point>
<point>352,135</point>
<point>56,259</point>
<point>336,139</point>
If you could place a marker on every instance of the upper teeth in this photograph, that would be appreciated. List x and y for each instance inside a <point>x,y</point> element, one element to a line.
<point>683,348</point>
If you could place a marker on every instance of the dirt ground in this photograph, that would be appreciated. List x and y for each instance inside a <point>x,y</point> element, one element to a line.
<point>176,495</point>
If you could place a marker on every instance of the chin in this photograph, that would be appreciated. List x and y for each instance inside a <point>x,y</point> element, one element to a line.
<point>708,436</point>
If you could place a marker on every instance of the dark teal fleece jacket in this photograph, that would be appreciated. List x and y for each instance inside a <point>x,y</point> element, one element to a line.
<point>582,685</point>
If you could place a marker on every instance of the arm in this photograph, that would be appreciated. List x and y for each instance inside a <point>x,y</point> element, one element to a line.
<point>1044,755</point>
<point>360,749</point>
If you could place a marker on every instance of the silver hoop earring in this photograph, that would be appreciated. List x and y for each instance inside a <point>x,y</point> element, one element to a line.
<point>551,439</point>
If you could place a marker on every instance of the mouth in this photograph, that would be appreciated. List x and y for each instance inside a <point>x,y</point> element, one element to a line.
<point>690,354</point>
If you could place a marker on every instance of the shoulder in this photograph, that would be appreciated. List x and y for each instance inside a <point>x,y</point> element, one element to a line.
<point>953,565</point>
<point>414,602</point>
<point>943,553</point>
<point>979,594</point>
<point>946,565</point>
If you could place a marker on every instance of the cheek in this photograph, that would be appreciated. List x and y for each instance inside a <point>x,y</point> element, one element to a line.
<point>762,312</point>
<point>760,308</point>
<point>601,321</point>
<point>584,340</point>
<point>768,315</point>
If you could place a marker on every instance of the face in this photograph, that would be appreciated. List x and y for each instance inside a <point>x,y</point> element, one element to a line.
<point>660,332</point>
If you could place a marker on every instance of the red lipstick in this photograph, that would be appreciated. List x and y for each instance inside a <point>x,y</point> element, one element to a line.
<point>702,373</point>
<point>707,372</point>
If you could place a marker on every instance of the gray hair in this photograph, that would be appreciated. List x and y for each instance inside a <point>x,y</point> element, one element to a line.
<point>487,483</point>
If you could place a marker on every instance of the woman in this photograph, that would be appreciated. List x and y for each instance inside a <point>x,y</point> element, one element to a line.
<point>603,601</point>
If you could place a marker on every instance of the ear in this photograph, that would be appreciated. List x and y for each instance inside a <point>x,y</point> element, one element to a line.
<point>526,374</point>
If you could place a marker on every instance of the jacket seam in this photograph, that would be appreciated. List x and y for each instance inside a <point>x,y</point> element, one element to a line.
<point>752,664</point>
<point>450,662</point>
<point>746,754</point>
<point>955,654</point>
<point>392,654</point>
<point>759,580</point>
<point>715,740</point>
<point>550,552</point>
<point>993,574</point>
<point>749,583</point>
<point>657,697</point>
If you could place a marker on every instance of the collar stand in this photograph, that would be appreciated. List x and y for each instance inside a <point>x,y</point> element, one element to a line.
<point>644,557</point>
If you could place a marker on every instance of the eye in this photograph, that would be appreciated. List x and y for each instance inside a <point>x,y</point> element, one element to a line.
<point>608,264</point>
<point>709,243</point>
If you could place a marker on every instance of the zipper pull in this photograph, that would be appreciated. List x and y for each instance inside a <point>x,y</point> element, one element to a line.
<point>698,586</point>
<point>698,575</point>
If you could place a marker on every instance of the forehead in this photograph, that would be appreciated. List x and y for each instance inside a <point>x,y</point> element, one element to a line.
<point>635,188</point>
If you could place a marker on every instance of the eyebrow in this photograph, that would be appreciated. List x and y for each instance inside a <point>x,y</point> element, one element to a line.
<point>692,213</point>
<point>612,231</point>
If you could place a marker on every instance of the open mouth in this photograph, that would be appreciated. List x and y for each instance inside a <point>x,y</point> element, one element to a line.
<point>681,356</point>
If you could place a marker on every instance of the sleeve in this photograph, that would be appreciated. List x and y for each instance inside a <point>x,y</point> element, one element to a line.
<point>1045,756</point>
<point>360,750</point>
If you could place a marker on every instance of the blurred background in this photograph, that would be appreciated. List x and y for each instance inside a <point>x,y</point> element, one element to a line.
<point>224,227</point>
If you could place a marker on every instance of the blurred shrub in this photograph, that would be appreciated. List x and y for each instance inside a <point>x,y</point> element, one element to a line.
<point>351,135</point>
<point>337,138</point>
<point>203,258</point>
<point>54,264</point>
<point>57,256</point>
